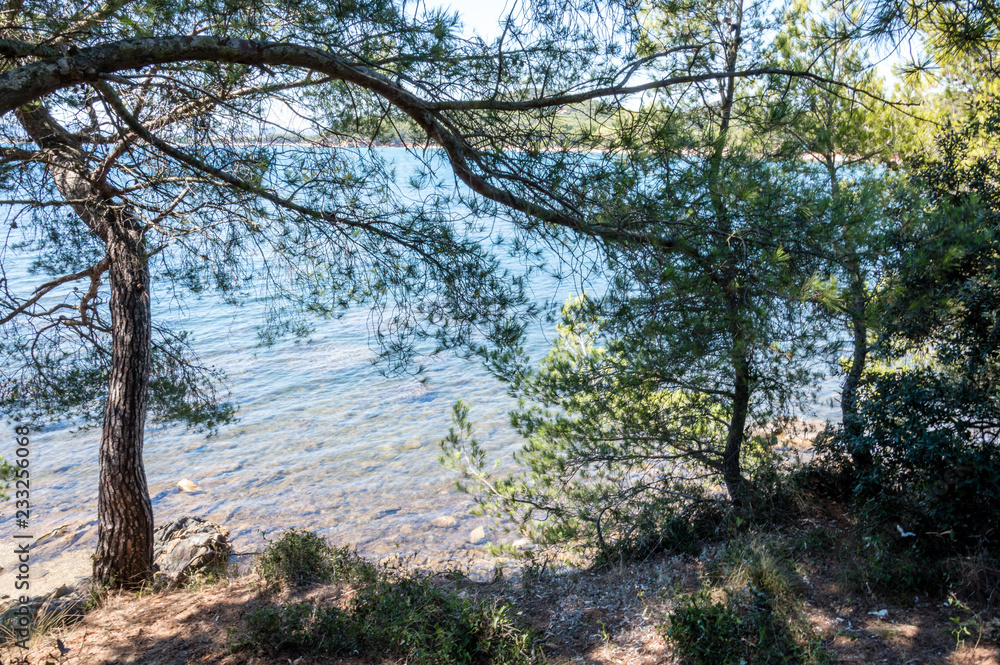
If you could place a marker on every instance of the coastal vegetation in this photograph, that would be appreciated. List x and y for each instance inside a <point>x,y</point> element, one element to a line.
<point>758,205</point>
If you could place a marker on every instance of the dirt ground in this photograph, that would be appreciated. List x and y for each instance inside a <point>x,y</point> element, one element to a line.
<point>613,616</point>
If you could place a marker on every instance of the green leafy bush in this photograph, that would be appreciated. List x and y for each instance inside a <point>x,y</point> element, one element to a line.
<point>299,558</point>
<point>934,444</point>
<point>396,617</point>
<point>6,474</point>
<point>926,450</point>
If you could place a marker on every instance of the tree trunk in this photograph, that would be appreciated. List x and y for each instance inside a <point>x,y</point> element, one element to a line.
<point>124,512</point>
<point>853,428</point>
<point>732,470</point>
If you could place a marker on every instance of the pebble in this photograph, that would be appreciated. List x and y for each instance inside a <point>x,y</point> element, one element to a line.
<point>186,485</point>
<point>478,535</point>
<point>444,522</point>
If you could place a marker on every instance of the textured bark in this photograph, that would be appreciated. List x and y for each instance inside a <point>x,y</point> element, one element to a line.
<point>732,470</point>
<point>125,515</point>
<point>849,396</point>
<point>124,512</point>
<point>853,427</point>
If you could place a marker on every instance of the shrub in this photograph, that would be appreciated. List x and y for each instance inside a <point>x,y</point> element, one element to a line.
<point>934,445</point>
<point>744,629</point>
<point>300,558</point>
<point>6,474</point>
<point>761,564</point>
<point>296,558</point>
<point>893,570</point>
<point>396,617</point>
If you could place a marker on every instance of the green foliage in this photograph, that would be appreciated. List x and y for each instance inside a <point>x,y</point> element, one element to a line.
<point>621,457</point>
<point>390,616</point>
<point>6,474</point>
<point>744,629</point>
<point>947,296</point>
<point>882,564</point>
<point>610,461</point>
<point>642,408</point>
<point>750,614</point>
<point>300,558</point>
<point>927,455</point>
<point>932,440</point>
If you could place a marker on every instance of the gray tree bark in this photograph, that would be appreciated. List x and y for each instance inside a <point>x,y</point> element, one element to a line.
<point>125,514</point>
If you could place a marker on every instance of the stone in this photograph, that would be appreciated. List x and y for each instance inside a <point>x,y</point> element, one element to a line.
<point>186,485</point>
<point>64,590</point>
<point>69,608</point>
<point>444,522</point>
<point>478,535</point>
<point>523,544</point>
<point>64,605</point>
<point>187,545</point>
<point>55,533</point>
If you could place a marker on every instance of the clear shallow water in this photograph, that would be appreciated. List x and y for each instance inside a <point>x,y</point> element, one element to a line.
<point>324,442</point>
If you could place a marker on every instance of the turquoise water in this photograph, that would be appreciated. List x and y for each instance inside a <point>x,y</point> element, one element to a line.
<point>324,441</point>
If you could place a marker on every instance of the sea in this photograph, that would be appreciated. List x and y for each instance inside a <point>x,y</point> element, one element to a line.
<point>324,441</point>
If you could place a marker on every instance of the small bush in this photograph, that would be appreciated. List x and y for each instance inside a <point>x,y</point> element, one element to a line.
<point>744,629</point>
<point>898,568</point>
<point>893,570</point>
<point>396,617</point>
<point>759,564</point>
<point>932,441</point>
<point>684,532</point>
<point>300,558</point>
<point>296,558</point>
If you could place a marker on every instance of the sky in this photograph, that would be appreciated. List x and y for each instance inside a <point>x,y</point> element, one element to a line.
<point>481,16</point>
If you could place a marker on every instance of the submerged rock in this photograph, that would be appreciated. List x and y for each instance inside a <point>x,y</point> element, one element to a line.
<point>444,522</point>
<point>187,545</point>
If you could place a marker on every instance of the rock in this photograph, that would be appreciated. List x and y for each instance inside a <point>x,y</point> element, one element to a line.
<point>478,535</point>
<point>186,485</point>
<point>64,590</point>
<point>523,544</point>
<point>444,522</point>
<point>187,545</point>
<point>55,533</point>
<point>64,605</point>
<point>68,608</point>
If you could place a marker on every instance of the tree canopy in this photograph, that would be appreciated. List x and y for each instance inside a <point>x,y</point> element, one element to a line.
<point>147,143</point>
<point>226,147</point>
